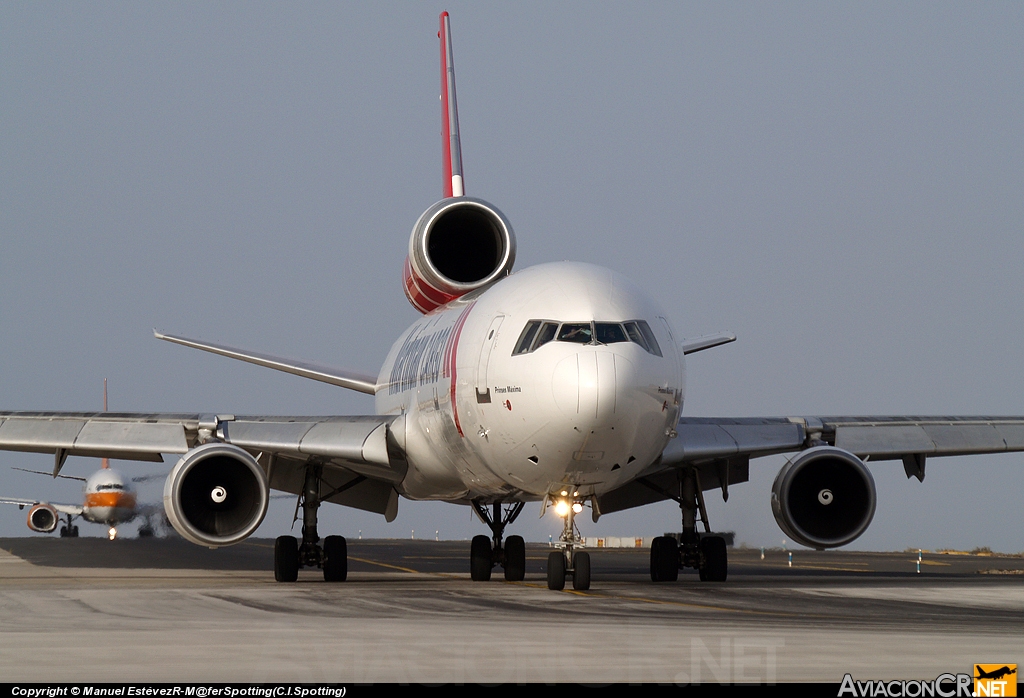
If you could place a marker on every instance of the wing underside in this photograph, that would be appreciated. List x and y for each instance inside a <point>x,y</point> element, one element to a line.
<point>358,454</point>
<point>720,449</point>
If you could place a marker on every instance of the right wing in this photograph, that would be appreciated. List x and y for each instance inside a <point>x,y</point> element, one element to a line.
<point>720,449</point>
<point>361,460</point>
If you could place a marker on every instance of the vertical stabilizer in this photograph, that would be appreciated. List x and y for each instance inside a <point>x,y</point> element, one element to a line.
<point>453,185</point>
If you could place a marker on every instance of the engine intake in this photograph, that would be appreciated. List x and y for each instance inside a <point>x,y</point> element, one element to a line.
<point>43,518</point>
<point>824,497</point>
<point>457,245</point>
<point>216,495</point>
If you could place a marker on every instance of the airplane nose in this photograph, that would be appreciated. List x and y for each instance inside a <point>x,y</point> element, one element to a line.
<point>587,384</point>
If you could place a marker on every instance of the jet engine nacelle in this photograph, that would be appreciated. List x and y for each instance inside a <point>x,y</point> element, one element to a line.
<point>43,518</point>
<point>216,495</point>
<point>458,245</point>
<point>824,497</point>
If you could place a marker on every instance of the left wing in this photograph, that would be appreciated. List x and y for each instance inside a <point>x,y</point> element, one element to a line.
<point>721,448</point>
<point>73,509</point>
<point>361,464</point>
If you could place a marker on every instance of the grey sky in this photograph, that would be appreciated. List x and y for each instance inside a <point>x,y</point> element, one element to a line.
<point>838,184</point>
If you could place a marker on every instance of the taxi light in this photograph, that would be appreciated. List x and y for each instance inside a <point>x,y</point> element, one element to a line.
<point>112,533</point>
<point>577,507</point>
<point>561,508</point>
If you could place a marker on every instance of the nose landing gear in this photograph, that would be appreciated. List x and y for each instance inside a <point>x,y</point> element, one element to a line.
<point>485,553</point>
<point>707,554</point>
<point>564,562</point>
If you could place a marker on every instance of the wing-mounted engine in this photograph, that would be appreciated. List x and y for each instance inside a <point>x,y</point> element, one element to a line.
<point>824,497</point>
<point>43,518</point>
<point>216,495</point>
<point>458,245</point>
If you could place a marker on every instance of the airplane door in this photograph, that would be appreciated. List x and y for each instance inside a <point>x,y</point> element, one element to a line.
<point>483,388</point>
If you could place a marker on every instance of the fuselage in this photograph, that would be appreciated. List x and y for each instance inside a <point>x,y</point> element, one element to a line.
<point>563,375</point>
<point>109,498</point>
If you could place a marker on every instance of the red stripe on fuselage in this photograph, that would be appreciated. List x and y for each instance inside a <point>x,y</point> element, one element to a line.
<point>452,354</point>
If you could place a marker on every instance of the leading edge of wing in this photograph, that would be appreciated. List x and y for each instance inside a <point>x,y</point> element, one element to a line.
<point>73,509</point>
<point>325,374</point>
<point>877,437</point>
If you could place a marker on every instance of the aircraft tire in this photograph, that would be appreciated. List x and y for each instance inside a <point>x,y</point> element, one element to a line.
<point>480,559</point>
<point>664,559</point>
<point>335,559</point>
<point>714,559</point>
<point>581,571</point>
<point>515,559</point>
<point>74,532</point>
<point>286,559</point>
<point>556,571</point>
<point>63,531</point>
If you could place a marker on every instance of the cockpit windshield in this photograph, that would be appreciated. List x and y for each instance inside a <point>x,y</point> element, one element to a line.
<point>539,332</point>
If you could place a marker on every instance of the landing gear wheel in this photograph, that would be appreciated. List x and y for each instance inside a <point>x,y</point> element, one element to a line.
<point>714,560</point>
<point>144,532</point>
<point>515,559</point>
<point>480,559</point>
<point>335,559</point>
<point>556,571</point>
<point>63,531</point>
<point>664,559</point>
<point>581,571</point>
<point>74,532</point>
<point>286,559</point>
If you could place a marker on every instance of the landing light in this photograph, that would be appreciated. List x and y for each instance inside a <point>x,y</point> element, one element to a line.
<point>561,507</point>
<point>577,507</point>
<point>112,533</point>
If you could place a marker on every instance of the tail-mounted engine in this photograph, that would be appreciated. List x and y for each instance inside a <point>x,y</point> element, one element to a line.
<point>824,497</point>
<point>43,518</point>
<point>216,495</point>
<point>458,245</point>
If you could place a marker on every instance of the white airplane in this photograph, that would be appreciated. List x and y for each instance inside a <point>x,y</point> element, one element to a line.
<point>561,384</point>
<point>108,499</point>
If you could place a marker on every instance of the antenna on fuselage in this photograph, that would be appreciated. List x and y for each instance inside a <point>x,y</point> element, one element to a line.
<point>453,185</point>
<point>105,463</point>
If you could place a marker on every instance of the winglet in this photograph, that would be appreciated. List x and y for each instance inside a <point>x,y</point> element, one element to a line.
<point>453,185</point>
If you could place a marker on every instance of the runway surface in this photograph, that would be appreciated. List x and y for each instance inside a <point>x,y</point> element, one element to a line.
<point>165,610</point>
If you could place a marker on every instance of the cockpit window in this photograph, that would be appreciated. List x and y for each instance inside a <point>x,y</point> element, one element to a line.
<point>539,332</point>
<point>636,336</point>
<point>577,332</point>
<point>609,333</point>
<point>526,339</point>
<point>652,343</point>
<point>547,333</point>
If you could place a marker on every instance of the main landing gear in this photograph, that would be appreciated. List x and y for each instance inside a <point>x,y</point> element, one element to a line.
<point>706,553</point>
<point>290,555</point>
<point>485,553</point>
<point>564,563</point>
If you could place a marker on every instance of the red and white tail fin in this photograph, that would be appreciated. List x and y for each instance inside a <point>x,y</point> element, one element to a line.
<point>453,185</point>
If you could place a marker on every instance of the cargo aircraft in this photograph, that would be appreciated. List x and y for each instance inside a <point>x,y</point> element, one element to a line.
<point>562,384</point>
